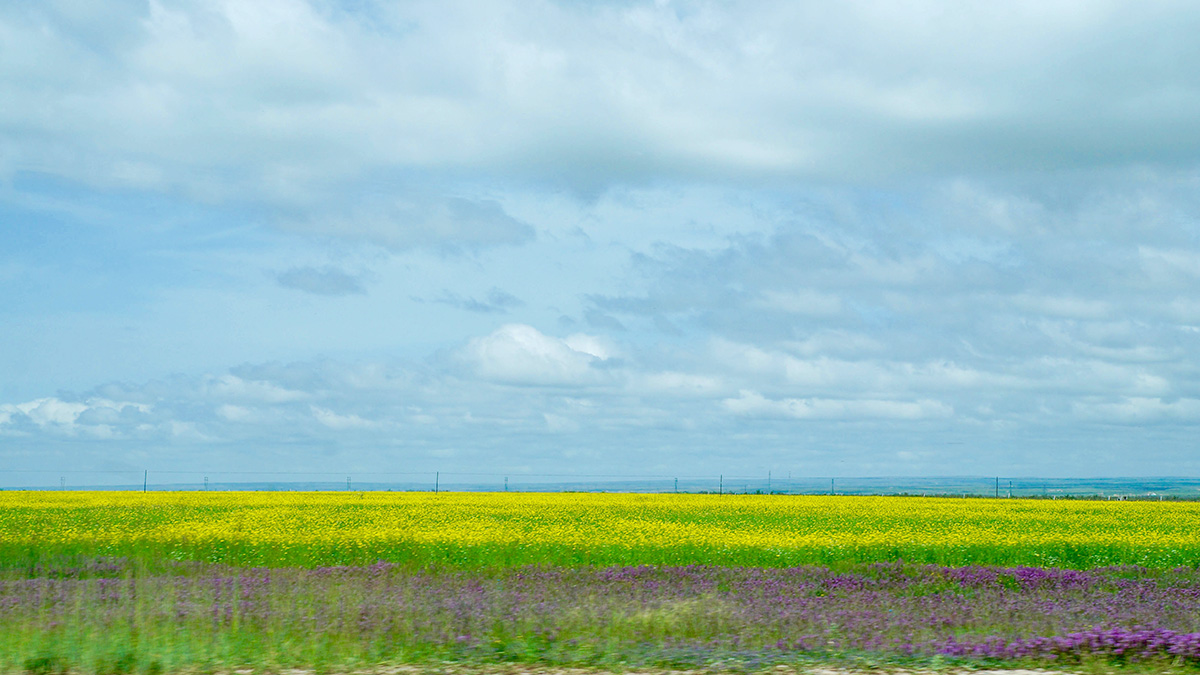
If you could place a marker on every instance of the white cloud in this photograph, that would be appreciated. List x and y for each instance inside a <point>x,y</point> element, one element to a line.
<point>753,404</point>
<point>1140,410</point>
<point>94,416</point>
<point>340,422</point>
<point>521,354</point>
<point>677,384</point>
<point>610,409</point>
<point>46,411</point>
<point>286,99</point>
<point>187,432</point>
<point>590,345</point>
<point>230,386</point>
<point>842,376</point>
<point>1092,376</point>
<point>235,413</point>
<point>848,211</point>
<point>1071,307</point>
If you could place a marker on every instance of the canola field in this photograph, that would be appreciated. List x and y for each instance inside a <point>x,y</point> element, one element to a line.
<point>113,583</point>
<point>514,529</point>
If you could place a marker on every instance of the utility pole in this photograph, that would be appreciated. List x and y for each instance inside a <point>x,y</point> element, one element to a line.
<point>997,487</point>
<point>676,486</point>
<point>347,483</point>
<point>506,483</point>
<point>62,482</point>
<point>831,486</point>
<point>721,484</point>
<point>206,483</point>
<point>145,479</point>
<point>437,477</point>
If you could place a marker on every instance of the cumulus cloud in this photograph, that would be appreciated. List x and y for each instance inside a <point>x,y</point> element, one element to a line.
<point>95,417</point>
<point>979,217</point>
<point>844,306</point>
<point>608,400</point>
<point>338,421</point>
<point>591,345</point>
<point>46,411</point>
<point>521,354</point>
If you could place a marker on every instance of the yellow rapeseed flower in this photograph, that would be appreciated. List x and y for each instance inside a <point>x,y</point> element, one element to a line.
<point>334,527</point>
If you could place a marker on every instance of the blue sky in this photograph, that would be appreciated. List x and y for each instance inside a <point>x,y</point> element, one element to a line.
<point>624,237</point>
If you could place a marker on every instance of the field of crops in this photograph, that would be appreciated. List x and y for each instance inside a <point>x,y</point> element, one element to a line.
<point>507,529</point>
<point>117,583</point>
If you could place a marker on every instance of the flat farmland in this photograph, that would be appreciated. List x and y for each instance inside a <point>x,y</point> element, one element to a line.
<point>119,582</point>
<point>512,529</point>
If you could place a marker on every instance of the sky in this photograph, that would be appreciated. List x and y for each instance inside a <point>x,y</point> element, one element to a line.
<point>615,237</point>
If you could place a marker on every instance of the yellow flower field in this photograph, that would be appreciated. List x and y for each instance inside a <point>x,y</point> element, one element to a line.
<point>503,529</point>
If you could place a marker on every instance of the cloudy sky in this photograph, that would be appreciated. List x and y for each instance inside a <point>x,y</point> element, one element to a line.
<point>616,237</point>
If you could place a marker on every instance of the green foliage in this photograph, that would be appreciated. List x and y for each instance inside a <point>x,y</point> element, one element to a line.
<point>46,665</point>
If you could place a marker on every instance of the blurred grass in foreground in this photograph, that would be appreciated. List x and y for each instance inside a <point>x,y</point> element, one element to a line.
<point>113,619</point>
